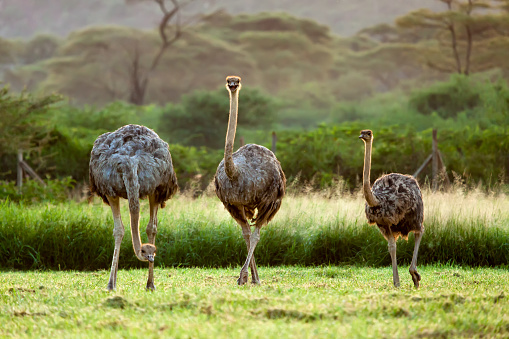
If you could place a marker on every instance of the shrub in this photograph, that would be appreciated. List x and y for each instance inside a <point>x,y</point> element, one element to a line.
<point>201,119</point>
<point>32,191</point>
<point>447,98</point>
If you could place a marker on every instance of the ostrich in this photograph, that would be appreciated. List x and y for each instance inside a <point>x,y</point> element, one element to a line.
<point>250,183</point>
<point>132,163</point>
<point>394,203</point>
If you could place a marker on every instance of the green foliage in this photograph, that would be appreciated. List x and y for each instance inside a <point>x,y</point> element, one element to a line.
<point>319,157</point>
<point>195,167</point>
<point>295,58</point>
<point>7,54</point>
<point>33,192</point>
<point>41,47</point>
<point>447,98</point>
<point>22,122</point>
<point>99,120</point>
<point>201,119</point>
<point>280,22</point>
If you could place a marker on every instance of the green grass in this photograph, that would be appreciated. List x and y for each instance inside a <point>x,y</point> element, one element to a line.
<point>316,229</point>
<point>297,302</point>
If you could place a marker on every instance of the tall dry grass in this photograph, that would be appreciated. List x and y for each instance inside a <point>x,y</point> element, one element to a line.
<point>311,228</point>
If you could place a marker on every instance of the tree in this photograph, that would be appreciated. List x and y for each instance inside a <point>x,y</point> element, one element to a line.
<point>138,77</point>
<point>201,117</point>
<point>22,122</point>
<point>463,24</point>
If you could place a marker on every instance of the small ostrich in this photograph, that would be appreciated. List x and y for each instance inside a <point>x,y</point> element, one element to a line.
<point>394,203</point>
<point>132,163</point>
<point>250,183</point>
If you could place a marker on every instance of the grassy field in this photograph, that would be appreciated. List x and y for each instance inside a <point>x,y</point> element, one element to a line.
<point>463,262</point>
<point>296,302</point>
<point>312,229</point>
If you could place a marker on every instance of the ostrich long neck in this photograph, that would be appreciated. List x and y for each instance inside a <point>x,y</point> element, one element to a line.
<point>366,186</point>
<point>133,196</point>
<point>135,232</point>
<point>229,166</point>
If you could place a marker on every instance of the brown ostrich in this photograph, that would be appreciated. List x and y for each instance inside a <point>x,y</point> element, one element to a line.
<point>394,203</point>
<point>250,183</point>
<point>132,163</point>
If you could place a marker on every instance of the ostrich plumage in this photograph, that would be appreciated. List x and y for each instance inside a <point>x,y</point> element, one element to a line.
<point>400,209</point>
<point>259,188</point>
<point>394,203</point>
<point>250,183</point>
<point>132,163</point>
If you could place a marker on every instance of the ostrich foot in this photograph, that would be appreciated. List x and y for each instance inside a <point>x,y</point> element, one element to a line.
<point>416,277</point>
<point>395,280</point>
<point>242,278</point>
<point>110,287</point>
<point>255,282</point>
<point>150,286</point>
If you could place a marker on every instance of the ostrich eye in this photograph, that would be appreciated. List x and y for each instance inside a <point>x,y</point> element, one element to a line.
<point>142,251</point>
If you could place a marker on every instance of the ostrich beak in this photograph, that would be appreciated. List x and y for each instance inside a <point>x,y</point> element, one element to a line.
<point>360,136</point>
<point>150,258</point>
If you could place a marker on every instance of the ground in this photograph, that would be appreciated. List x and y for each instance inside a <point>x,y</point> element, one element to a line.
<point>296,302</point>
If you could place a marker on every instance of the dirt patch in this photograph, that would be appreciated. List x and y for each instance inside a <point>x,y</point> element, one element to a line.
<point>116,302</point>
<point>278,313</point>
<point>21,289</point>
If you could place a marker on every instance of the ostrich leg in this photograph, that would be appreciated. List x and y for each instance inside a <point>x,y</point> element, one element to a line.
<point>416,277</point>
<point>392,251</point>
<point>246,233</point>
<point>254,272</point>
<point>253,241</point>
<point>118,234</point>
<point>151,233</point>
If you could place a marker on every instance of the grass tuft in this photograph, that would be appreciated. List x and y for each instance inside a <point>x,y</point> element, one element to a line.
<point>460,229</point>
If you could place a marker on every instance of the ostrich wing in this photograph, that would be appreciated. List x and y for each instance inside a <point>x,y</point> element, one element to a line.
<point>132,145</point>
<point>399,196</point>
<point>260,183</point>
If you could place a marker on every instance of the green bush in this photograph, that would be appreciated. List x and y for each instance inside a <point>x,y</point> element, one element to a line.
<point>34,192</point>
<point>323,155</point>
<point>201,119</point>
<point>447,98</point>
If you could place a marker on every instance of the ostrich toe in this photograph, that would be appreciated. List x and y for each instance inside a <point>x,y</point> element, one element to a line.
<point>416,277</point>
<point>151,287</point>
<point>242,278</point>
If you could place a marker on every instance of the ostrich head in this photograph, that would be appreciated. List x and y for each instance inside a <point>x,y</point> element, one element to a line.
<point>147,252</point>
<point>233,83</point>
<point>366,135</point>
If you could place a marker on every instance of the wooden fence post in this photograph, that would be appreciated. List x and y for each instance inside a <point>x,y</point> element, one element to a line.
<point>20,170</point>
<point>274,141</point>
<point>437,162</point>
<point>23,168</point>
<point>434,162</point>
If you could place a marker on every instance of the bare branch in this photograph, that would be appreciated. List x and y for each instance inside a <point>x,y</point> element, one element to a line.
<point>454,46</point>
<point>162,29</point>
<point>437,67</point>
<point>469,39</point>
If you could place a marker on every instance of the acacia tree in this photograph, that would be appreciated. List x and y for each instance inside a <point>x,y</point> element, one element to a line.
<point>22,124</point>
<point>139,76</point>
<point>463,23</point>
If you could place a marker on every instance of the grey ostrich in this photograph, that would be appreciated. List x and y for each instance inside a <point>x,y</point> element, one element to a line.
<point>132,163</point>
<point>394,203</point>
<point>250,183</point>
